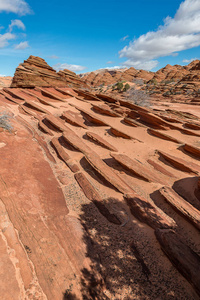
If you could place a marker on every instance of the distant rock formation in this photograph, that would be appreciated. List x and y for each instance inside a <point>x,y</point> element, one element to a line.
<point>161,81</point>
<point>5,81</point>
<point>36,72</point>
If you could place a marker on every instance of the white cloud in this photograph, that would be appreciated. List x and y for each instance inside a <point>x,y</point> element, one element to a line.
<point>4,38</point>
<point>16,23</point>
<point>179,33</point>
<point>74,68</point>
<point>145,65</point>
<point>113,68</point>
<point>22,46</point>
<point>124,38</point>
<point>189,60</point>
<point>110,62</point>
<point>20,7</point>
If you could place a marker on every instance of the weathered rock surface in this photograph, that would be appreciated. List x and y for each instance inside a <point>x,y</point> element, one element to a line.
<point>186,209</point>
<point>147,212</point>
<point>99,140</point>
<point>181,256</point>
<point>181,164</point>
<point>90,235</point>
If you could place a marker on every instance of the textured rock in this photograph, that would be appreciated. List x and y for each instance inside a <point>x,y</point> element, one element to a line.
<point>119,133</point>
<point>99,140</point>
<point>192,149</point>
<point>96,162</point>
<point>163,136</point>
<point>91,117</point>
<point>105,110</point>
<point>182,257</point>
<point>181,164</point>
<point>93,196</point>
<point>186,209</point>
<point>136,168</point>
<point>73,119</point>
<point>64,156</point>
<point>159,168</point>
<point>147,212</point>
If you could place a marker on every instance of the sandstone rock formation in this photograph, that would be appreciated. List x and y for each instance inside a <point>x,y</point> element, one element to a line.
<point>36,72</point>
<point>91,199</point>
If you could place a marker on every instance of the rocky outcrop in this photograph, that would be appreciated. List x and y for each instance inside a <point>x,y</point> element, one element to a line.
<point>71,79</point>
<point>36,72</point>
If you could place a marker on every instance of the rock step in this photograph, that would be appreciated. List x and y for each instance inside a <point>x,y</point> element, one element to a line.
<point>50,94</point>
<point>12,92</point>
<point>91,118</point>
<point>88,95</point>
<point>69,93</point>
<point>135,107</point>
<point>192,126</point>
<point>130,122</point>
<point>147,212</point>
<point>119,133</point>
<point>159,168</point>
<point>192,149</point>
<point>73,119</point>
<point>55,92</point>
<point>136,168</point>
<point>99,140</point>
<point>105,110</point>
<point>29,111</point>
<point>93,196</point>
<point>42,100</point>
<point>154,120</point>
<point>46,129</point>
<point>182,206</point>
<point>170,119</point>
<point>56,122</point>
<point>133,114</point>
<point>180,163</point>
<point>22,95</point>
<point>11,98</point>
<point>64,156</point>
<point>107,98</point>
<point>36,106</point>
<point>96,162</point>
<point>184,131</point>
<point>182,257</point>
<point>163,136</point>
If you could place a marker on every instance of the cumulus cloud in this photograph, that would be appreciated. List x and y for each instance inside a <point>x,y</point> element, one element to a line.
<point>22,46</point>
<point>20,7</point>
<point>189,60</point>
<point>4,38</point>
<point>179,33</point>
<point>113,68</point>
<point>74,68</point>
<point>16,23</point>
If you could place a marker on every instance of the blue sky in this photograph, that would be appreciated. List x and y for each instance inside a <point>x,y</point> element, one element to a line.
<point>87,35</point>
